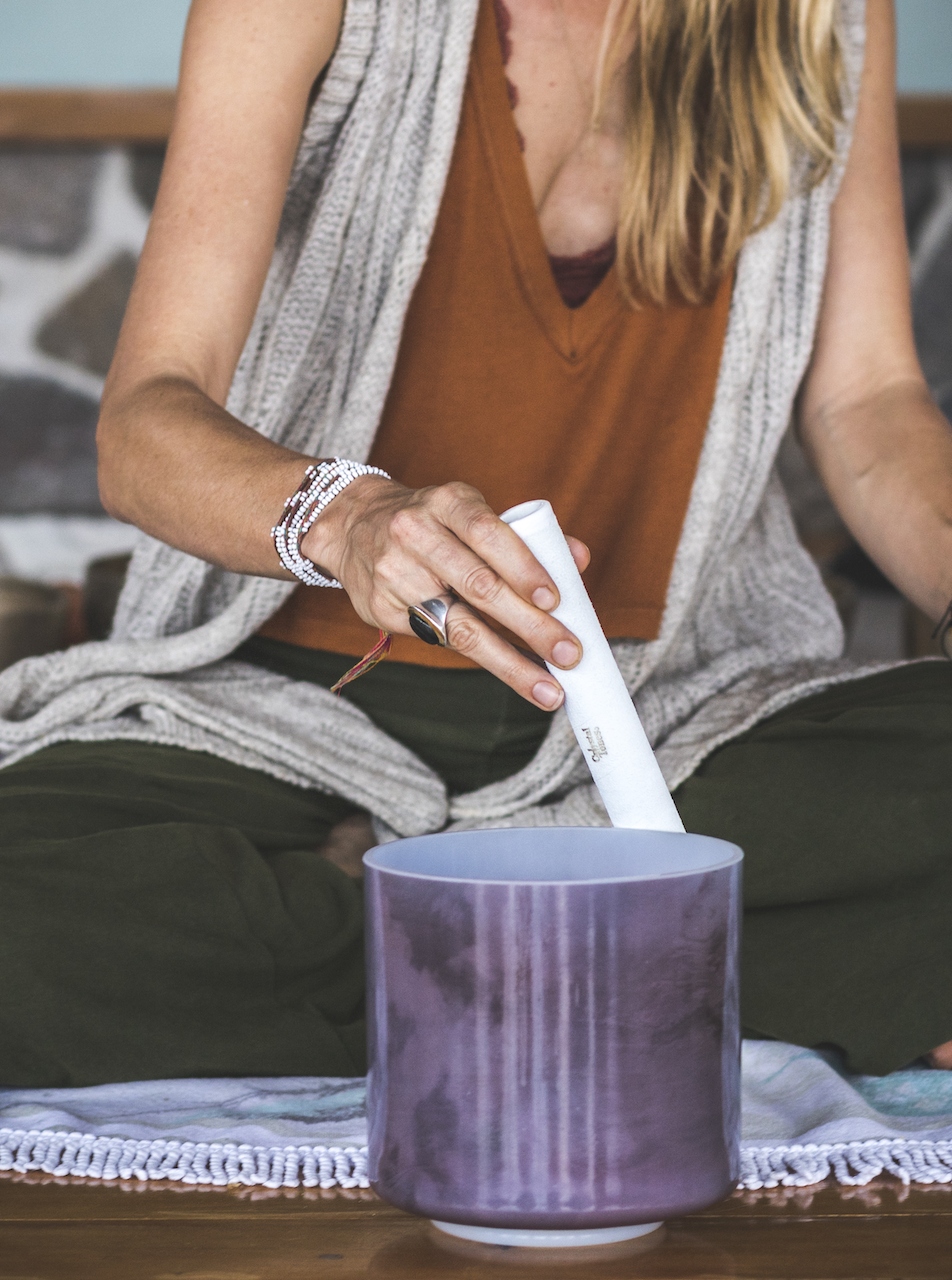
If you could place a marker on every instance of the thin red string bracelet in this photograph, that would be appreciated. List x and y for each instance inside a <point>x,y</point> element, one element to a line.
<point>367,662</point>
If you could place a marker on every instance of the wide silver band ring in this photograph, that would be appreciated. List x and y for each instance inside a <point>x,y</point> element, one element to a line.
<point>428,619</point>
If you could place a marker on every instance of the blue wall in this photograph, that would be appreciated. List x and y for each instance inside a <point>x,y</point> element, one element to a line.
<point>109,43</point>
<point>136,42</point>
<point>925,46</point>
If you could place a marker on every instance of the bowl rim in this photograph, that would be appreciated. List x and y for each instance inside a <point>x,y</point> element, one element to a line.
<point>733,857</point>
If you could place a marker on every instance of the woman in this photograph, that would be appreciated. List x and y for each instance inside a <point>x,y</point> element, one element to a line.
<point>441,302</point>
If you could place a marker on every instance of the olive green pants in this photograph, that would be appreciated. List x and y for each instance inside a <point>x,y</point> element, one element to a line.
<point>165,913</point>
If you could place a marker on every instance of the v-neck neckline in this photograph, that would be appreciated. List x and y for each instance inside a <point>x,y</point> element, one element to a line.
<point>572,331</point>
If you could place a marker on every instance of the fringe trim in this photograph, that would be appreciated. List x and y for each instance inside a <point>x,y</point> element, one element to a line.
<point>84,1155</point>
<point>216,1163</point>
<point>853,1164</point>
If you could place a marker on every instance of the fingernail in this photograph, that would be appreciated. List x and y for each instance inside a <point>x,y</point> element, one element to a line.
<point>543,598</point>
<point>566,654</point>
<point>547,694</point>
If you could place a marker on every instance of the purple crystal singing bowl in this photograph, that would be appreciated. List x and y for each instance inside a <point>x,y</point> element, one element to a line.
<point>553,1025</point>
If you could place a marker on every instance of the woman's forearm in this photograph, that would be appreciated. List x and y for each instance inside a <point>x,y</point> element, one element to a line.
<point>886,462</point>
<point>171,459</point>
<point>878,440</point>
<point>180,467</point>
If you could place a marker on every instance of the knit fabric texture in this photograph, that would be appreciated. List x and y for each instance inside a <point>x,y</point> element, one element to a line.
<point>748,626</point>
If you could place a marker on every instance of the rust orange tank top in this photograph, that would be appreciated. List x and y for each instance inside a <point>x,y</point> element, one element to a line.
<point>602,409</point>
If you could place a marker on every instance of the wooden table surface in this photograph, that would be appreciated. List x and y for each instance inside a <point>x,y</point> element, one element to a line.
<point>56,1229</point>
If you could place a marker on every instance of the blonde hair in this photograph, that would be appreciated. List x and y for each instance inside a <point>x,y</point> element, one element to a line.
<point>728,104</point>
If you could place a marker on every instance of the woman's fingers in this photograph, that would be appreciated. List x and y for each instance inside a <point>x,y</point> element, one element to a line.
<point>475,639</point>
<point>467,514</point>
<point>497,573</point>
<point>543,635</point>
<point>470,636</point>
<point>580,553</point>
<point>464,570</point>
<point>394,547</point>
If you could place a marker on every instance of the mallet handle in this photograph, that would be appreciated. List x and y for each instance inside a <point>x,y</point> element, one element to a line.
<point>597,702</point>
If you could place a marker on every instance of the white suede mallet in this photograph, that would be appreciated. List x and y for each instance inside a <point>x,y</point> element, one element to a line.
<point>598,704</point>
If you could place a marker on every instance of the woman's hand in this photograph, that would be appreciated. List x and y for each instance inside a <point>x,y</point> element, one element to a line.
<point>393,547</point>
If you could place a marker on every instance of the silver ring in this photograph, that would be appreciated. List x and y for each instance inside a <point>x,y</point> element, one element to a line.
<point>428,620</point>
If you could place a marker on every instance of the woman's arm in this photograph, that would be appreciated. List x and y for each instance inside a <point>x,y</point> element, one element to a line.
<point>878,440</point>
<point>171,460</point>
<point>175,463</point>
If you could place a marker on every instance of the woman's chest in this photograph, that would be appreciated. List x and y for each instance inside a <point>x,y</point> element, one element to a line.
<point>572,133</point>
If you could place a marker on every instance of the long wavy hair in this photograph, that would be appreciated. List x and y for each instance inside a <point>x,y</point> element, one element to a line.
<point>729,105</point>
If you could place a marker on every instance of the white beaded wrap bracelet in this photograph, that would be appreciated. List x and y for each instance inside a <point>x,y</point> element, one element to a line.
<point>322,482</point>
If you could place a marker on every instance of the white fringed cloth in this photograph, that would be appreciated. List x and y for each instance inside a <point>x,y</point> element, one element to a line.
<point>803,1122</point>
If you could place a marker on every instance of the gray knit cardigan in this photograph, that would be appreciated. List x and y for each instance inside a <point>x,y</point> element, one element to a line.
<point>748,626</point>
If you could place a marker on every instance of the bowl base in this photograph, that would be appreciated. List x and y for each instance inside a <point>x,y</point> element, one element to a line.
<point>529,1237</point>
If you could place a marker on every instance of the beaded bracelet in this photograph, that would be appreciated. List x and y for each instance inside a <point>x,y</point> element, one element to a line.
<point>322,483</point>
